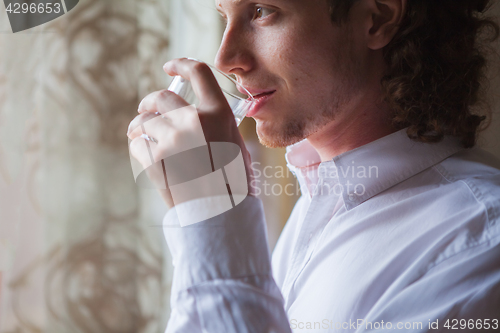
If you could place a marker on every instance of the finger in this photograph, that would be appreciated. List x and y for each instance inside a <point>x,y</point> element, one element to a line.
<point>161,101</point>
<point>202,80</point>
<point>141,151</point>
<point>166,137</point>
<point>134,128</point>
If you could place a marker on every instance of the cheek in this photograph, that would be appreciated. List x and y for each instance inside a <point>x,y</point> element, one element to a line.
<point>307,55</point>
<point>281,48</point>
<point>274,50</point>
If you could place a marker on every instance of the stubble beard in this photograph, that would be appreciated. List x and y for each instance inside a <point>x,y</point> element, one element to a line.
<point>294,129</point>
<point>298,126</point>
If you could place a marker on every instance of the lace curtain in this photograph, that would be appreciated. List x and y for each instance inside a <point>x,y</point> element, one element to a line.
<point>81,247</point>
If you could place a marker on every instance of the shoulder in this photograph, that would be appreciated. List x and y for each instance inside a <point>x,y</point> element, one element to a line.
<point>477,172</point>
<point>474,163</point>
<point>471,185</point>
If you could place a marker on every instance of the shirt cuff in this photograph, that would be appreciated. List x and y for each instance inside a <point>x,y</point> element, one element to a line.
<point>227,246</point>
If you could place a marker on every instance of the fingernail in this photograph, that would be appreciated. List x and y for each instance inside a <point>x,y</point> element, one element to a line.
<point>139,107</point>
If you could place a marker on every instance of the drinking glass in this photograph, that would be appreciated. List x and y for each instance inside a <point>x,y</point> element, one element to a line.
<point>240,103</point>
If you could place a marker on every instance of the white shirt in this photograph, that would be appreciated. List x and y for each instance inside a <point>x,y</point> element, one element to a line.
<point>393,235</point>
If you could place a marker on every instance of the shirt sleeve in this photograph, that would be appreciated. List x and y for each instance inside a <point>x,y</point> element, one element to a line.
<point>222,272</point>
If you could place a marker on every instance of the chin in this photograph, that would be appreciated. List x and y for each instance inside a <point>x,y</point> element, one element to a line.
<point>274,135</point>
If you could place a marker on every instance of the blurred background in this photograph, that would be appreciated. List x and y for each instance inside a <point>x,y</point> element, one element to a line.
<point>81,246</point>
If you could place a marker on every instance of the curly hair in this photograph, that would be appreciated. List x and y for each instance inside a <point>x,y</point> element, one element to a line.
<point>435,68</point>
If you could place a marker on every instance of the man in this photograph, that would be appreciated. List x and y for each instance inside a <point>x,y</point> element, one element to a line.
<point>398,227</point>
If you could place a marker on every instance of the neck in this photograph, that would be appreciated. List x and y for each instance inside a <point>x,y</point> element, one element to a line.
<point>351,130</point>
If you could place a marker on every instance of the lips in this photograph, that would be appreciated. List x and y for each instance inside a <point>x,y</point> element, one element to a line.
<point>259,101</point>
<point>260,97</point>
<point>254,92</point>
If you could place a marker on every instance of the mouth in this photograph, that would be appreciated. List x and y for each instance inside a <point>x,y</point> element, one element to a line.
<point>254,93</point>
<point>263,94</point>
<point>259,100</point>
<point>258,96</point>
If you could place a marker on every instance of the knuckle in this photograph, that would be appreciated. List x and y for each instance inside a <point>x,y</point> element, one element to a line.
<point>133,126</point>
<point>167,101</point>
<point>152,95</point>
<point>135,133</point>
<point>201,67</point>
<point>147,100</point>
<point>165,94</point>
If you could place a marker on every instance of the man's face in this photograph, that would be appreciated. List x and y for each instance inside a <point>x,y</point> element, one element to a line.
<point>303,68</point>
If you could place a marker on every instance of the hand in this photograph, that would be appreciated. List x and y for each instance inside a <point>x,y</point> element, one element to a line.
<point>175,126</point>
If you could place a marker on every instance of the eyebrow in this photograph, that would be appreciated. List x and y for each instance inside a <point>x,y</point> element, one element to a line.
<point>238,3</point>
<point>218,6</point>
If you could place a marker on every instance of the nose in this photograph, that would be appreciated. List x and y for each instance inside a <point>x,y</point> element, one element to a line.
<point>235,52</point>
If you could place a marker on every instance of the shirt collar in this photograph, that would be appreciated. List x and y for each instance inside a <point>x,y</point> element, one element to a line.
<point>366,171</point>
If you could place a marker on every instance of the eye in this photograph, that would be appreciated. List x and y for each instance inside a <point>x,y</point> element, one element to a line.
<point>261,12</point>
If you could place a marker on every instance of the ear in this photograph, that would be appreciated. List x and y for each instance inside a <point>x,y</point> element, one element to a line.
<point>386,18</point>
